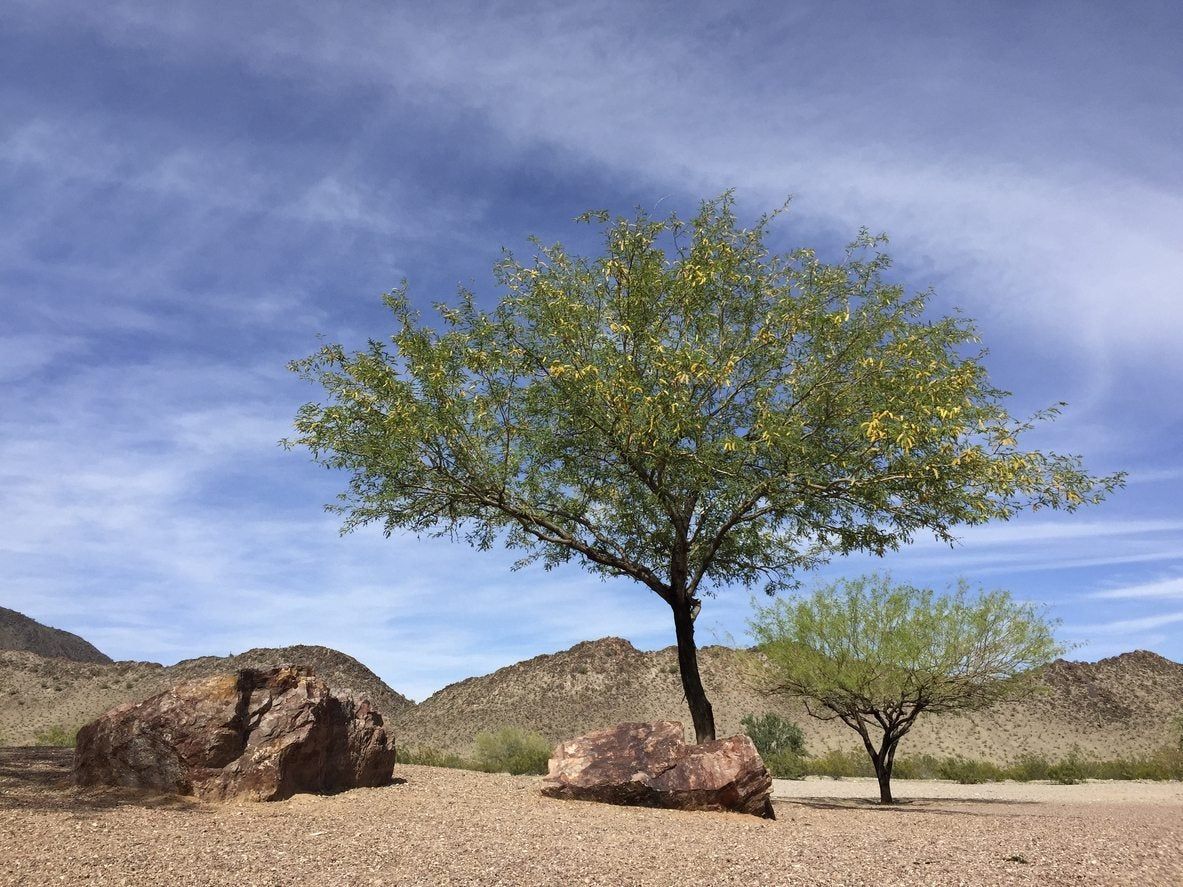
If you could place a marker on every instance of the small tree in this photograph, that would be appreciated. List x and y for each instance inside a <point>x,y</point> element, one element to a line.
<point>711,415</point>
<point>876,655</point>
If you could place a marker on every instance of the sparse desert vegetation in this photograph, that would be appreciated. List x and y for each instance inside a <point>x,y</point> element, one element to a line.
<point>508,750</point>
<point>1008,818</point>
<point>450,827</point>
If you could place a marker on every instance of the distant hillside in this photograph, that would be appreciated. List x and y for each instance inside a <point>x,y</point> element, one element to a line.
<point>1116,707</point>
<point>19,632</point>
<point>38,692</point>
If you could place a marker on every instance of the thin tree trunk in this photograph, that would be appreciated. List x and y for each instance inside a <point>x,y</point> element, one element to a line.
<point>883,774</point>
<point>700,707</point>
<point>884,764</point>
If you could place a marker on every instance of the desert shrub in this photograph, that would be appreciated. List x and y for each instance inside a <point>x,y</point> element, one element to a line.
<point>427,756</point>
<point>511,750</point>
<point>1168,764</point>
<point>57,737</point>
<point>839,763</point>
<point>772,734</point>
<point>917,767</point>
<point>785,764</point>
<point>1029,768</point>
<point>1069,771</point>
<point>969,772</point>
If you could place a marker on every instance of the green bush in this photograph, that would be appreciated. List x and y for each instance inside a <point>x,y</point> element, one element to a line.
<point>427,756</point>
<point>969,772</point>
<point>785,765</point>
<point>772,735</point>
<point>838,763</point>
<point>1029,768</point>
<point>1068,771</point>
<point>512,751</point>
<point>57,737</point>
<point>917,767</point>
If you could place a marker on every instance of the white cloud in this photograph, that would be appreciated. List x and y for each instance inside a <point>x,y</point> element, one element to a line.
<point>1128,626</point>
<point>1165,588</point>
<point>145,503</point>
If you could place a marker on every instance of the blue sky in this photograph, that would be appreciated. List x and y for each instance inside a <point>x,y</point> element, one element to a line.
<point>194,191</point>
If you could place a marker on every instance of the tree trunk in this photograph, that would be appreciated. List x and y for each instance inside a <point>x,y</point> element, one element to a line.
<point>700,707</point>
<point>884,763</point>
<point>883,774</point>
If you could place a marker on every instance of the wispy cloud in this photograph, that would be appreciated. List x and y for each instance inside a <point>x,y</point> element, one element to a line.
<point>1129,626</point>
<point>221,181</point>
<point>1165,588</point>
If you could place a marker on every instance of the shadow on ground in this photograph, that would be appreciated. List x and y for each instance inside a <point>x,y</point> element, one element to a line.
<point>934,806</point>
<point>36,778</point>
<point>40,779</point>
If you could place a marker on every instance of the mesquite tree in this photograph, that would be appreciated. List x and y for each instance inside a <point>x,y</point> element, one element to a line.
<point>876,655</point>
<point>688,409</point>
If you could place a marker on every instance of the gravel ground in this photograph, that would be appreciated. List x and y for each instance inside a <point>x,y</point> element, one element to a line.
<point>1099,791</point>
<point>455,827</point>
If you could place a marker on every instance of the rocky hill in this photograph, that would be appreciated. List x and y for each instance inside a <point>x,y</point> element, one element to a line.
<point>1117,707</point>
<point>19,632</point>
<point>39,693</point>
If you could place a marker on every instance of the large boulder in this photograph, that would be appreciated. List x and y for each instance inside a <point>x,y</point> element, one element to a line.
<point>650,765</point>
<point>258,735</point>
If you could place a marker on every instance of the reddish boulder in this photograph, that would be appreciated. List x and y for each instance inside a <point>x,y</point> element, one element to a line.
<point>259,735</point>
<point>649,765</point>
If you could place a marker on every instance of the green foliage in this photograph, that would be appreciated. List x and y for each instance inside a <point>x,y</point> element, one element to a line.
<point>685,408</point>
<point>428,756</point>
<point>1029,768</point>
<point>1068,771</point>
<point>1164,765</point>
<point>510,750</point>
<point>57,736</point>
<point>688,409</point>
<point>867,645</point>
<point>838,763</point>
<point>876,655</point>
<point>772,734</point>
<point>969,772</point>
<point>918,767</point>
<point>786,764</point>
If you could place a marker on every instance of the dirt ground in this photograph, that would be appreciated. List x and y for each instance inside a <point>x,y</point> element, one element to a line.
<point>456,827</point>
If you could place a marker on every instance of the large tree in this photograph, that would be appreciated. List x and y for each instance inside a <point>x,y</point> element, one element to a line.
<point>688,409</point>
<point>876,655</point>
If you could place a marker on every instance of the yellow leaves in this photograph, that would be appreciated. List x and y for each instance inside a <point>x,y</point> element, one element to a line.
<point>560,370</point>
<point>693,274</point>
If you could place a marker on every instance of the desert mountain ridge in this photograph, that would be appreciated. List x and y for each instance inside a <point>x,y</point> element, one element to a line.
<point>20,632</point>
<point>1118,707</point>
<point>38,693</point>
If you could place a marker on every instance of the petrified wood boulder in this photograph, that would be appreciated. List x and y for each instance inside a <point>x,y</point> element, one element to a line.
<point>649,765</point>
<point>258,735</point>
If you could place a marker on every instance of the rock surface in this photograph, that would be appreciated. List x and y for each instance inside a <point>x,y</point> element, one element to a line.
<point>650,765</point>
<point>257,735</point>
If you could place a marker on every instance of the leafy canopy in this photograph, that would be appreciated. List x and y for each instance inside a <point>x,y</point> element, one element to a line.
<point>875,654</point>
<point>688,408</point>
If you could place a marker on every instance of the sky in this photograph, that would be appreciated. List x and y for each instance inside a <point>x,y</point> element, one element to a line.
<point>193,192</point>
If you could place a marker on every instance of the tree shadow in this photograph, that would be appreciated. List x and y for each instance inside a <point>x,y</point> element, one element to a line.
<point>903,806</point>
